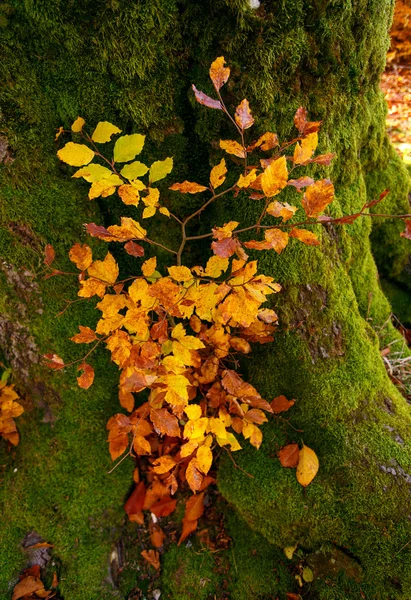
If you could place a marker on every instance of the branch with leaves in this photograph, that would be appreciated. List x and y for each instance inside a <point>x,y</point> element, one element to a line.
<point>179,335</point>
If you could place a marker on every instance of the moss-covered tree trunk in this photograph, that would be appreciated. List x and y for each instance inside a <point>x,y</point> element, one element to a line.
<point>133,63</point>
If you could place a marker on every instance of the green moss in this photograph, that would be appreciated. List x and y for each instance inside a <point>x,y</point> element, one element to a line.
<point>399,300</point>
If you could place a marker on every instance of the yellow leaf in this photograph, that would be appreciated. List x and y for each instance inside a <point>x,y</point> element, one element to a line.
<point>267,141</point>
<point>245,182</point>
<point>105,270</point>
<point>129,194</point>
<point>180,273</point>
<point>91,287</point>
<point>195,429</point>
<point>233,147</point>
<point>277,238</point>
<point>128,230</point>
<point>306,150</point>
<point>193,412</point>
<point>164,211</point>
<point>78,125</point>
<point>104,187</point>
<point>75,155</point>
<point>216,426</point>
<point>149,266</point>
<point>149,211</point>
<point>104,131</point>
<point>219,74</point>
<point>216,265</point>
<point>93,172</point>
<point>58,134</point>
<point>160,169</point>
<point>134,170</point>
<point>128,146</point>
<point>188,187</point>
<point>307,467</point>
<point>204,459</point>
<point>218,173</point>
<point>188,448</point>
<point>289,551</point>
<point>275,177</point>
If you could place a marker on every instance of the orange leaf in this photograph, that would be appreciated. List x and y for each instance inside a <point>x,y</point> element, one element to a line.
<point>218,73</point>
<point>304,152</point>
<point>164,464</point>
<point>157,535</point>
<point>135,502</point>
<point>86,379</point>
<point>81,256</point>
<point>233,147</point>
<point>317,197</point>
<point>188,527</point>
<point>54,361</point>
<point>289,455</point>
<point>194,507</point>
<point>218,173</point>
<point>307,237</point>
<point>301,182</point>
<point>277,239</point>
<point>267,141</point>
<point>308,466</point>
<point>281,404</point>
<point>304,126</point>
<point>49,255</point>
<point>152,557</point>
<point>149,266</point>
<point>164,507</point>
<point>86,336</point>
<point>202,98</point>
<point>188,187</point>
<point>27,586</point>
<point>407,233</point>
<point>243,116</point>
<point>274,178</point>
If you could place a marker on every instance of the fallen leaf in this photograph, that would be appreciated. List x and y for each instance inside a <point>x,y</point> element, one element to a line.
<point>281,404</point>
<point>27,586</point>
<point>135,502</point>
<point>152,557</point>
<point>87,377</point>
<point>289,456</point>
<point>308,466</point>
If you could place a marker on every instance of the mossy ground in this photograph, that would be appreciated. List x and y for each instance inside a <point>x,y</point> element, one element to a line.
<point>133,64</point>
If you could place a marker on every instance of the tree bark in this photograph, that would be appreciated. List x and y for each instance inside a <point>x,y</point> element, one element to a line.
<point>133,64</point>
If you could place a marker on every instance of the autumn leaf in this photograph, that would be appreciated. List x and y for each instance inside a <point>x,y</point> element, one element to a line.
<point>218,173</point>
<point>289,456</point>
<point>49,255</point>
<point>307,237</point>
<point>282,210</point>
<point>180,273</point>
<point>188,187</point>
<point>308,466</point>
<point>216,266</point>
<point>202,98</point>
<point>243,116</point>
<point>274,178</point>
<point>194,476</point>
<point>128,146</point>
<point>134,170</point>
<point>164,507</point>
<point>407,233</point>
<point>304,126</point>
<point>165,423</point>
<point>160,169</point>
<point>149,266</point>
<point>281,404</point>
<point>267,141</point>
<point>105,270</point>
<point>194,510</point>
<point>93,172</point>
<point>303,152</point>
<point>204,459</point>
<point>87,377</point>
<point>129,194</point>
<point>317,197</point>
<point>163,464</point>
<point>134,249</point>
<point>152,557</point>
<point>301,182</point>
<point>75,155</point>
<point>54,361</point>
<point>27,586</point>
<point>218,73</point>
<point>135,502</point>
<point>247,180</point>
<point>157,535</point>
<point>233,147</point>
<point>103,132</point>
<point>78,125</point>
<point>81,256</point>
<point>86,336</point>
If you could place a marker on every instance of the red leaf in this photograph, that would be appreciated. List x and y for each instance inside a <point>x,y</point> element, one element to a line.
<point>225,247</point>
<point>206,100</point>
<point>134,249</point>
<point>281,404</point>
<point>54,361</point>
<point>289,456</point>
<point>136,501</point>
<point>97,230</point>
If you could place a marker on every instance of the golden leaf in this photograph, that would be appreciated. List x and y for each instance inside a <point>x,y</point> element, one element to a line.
<point>307,237</point>
<point>180,273</point>
<point>284,210</point>
<point>105,270</point>
<point>163,464</point>
<point>78,125</point>
<point>267,141</point>
<point>218,73</point>
<point>81,256</point>
<point>233,147</point>
<point>75,155</point>
<point>204,459</point>
<point>218,173</point>
<point>277,238</point>
<point>188,187</point>
<point>104,131</point>
<point>317,197</point>
<point>86,336</point>
<point>149,266</point>
<point>307,467</point>
<point>93,172</point>
<point>193,475</point>
<point>216,265</point>
<point>129,194</point>
<point>308,146</point>
<point>274,178</point>
<point>245,182</point>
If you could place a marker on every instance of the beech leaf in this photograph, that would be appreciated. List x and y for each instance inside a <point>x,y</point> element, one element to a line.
<point>307,467</point>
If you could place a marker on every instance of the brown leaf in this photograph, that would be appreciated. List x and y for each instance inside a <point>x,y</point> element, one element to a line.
<point>194,507</point>
<point>135,502</point>
<point>301,182</point>
<point>218,73</point>
<point>243,116</point>
<point>27,586</point>
<point>202,98</point>
<point>164,423</point>
<point>157,535</point>
<point>54,361</point>
<point>188,527</point>
<point>134,249</point>
<point>304,126</point>
<point>98,231</point>
<point>188,187</point>
<point>317,197</point>
<point>152,557</point>
<point>281,404</point>
<point>289,455</point>
<point>323,159</point>
<point>86,379</point>
<point>407,233</point>
<point>291,596</point>
<point>194,476</point>
<point>49,254</point>
<point>267,141</point>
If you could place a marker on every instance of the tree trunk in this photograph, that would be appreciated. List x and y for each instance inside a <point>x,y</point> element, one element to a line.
<point>133,64</point>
